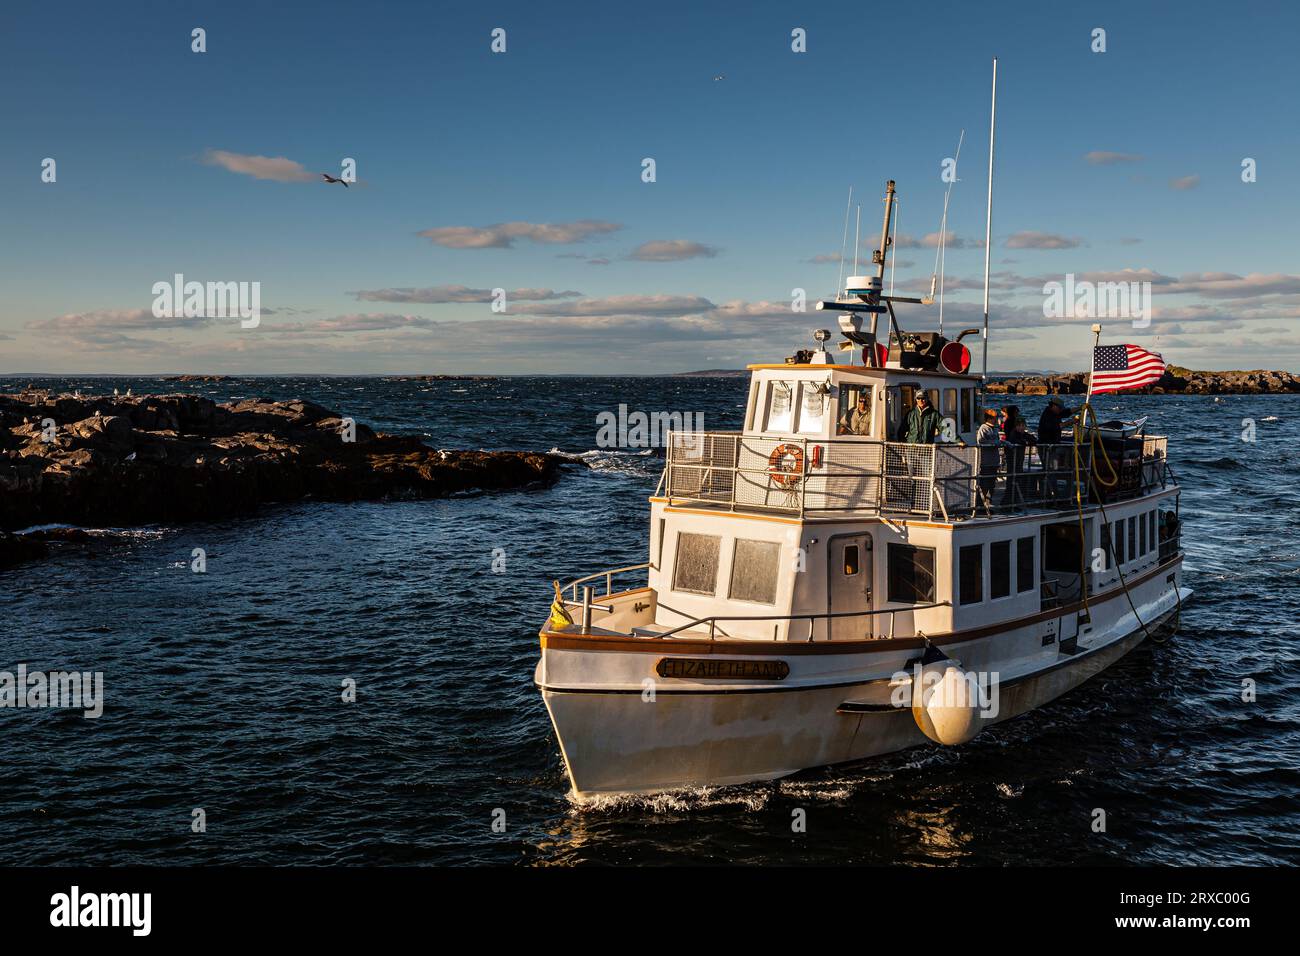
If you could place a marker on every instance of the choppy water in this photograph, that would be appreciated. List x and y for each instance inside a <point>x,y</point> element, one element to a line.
<point>223,689</point>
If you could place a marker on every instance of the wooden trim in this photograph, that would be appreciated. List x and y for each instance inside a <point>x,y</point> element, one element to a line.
<point>867,370</point>
<point>573,641</point>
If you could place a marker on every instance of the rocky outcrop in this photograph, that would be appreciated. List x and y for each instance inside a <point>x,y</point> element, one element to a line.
<point>122,461</point>
<point>1176,381</point>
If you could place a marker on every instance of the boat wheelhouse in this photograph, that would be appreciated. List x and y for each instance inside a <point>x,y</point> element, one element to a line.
<point>820,591</point>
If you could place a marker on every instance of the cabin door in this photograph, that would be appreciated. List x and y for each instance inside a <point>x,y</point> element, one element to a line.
<point>851,571</point>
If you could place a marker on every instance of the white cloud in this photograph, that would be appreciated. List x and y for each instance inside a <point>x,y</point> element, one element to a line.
<point>672,250</point>
<point>276,168</point>
<point>502,235</point>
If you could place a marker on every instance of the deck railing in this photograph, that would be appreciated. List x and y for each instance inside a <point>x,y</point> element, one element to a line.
<point>797,476</point>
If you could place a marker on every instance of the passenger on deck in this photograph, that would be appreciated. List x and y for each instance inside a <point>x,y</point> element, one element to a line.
<point>1015,453</point>
<point>923,422</point>
<point>1049,425</point>
<point>1018,481</point>
<point>990,454</point>
<point>1049,433</point>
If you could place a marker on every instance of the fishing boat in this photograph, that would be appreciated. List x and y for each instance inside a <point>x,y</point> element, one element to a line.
<point>821,590</point>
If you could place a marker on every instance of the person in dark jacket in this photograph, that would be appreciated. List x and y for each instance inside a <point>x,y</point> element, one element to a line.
<point>923,422</point>
<point>1013,430</point>
<point>1049,425</point>
<point>1049,433</point>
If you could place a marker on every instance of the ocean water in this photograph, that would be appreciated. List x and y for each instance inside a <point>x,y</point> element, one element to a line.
<point>223,689</point>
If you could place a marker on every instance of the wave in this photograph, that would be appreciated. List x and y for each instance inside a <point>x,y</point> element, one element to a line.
<point>641,464</point>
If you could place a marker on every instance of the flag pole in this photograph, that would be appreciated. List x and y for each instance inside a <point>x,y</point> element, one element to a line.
<point>1092,366</point>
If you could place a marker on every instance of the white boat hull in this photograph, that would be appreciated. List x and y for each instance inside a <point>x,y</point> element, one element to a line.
<point>617,738</point>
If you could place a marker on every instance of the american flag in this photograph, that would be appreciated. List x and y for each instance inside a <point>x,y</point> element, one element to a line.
<point>1117,367</point>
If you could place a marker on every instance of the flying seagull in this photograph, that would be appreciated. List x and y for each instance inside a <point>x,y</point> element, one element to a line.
<point>331,179</point>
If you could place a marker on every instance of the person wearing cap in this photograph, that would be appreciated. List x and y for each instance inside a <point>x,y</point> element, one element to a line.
<point>1049,435</point>
<point>857,420</point>
<point>923,422</point>
<point>1049,425</point>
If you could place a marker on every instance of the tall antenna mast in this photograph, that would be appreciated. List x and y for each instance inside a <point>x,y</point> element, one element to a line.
<point>988,225</point>
<point>857,239</point>
<point>943,230</point>
<point>839,285</point>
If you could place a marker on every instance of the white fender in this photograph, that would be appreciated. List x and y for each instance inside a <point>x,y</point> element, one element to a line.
<point>945,703</point>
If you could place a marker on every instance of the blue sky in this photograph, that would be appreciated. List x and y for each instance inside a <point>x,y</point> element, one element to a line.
<point>162,168</point>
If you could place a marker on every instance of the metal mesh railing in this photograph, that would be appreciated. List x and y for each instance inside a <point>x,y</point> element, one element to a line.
<point>802,475</point>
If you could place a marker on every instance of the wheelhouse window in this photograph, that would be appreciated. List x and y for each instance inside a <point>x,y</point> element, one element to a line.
<point>780,407</point>
<point>813,399</point>
<point>971,570</point>
<point>1024,565</point>
<point>851,560</point>
<point>754,567</point>
<point>1117,539</point>
<point>696,568</point>
<point>911,574</point>
<point>967,409</point>
<point>1151,529</point>
<point>1132,538</point>
<point>854,414</point>
<point>999,569</point>
<point>1142,534</point>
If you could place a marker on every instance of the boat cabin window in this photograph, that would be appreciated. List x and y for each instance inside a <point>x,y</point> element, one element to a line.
<point>1117,540</point>
<point>967,409</point>
<point>696,567</point>
<point>813,399</point>
<point>1025,564</point>
<point>999,569</point>
<point>1142,534</point>
<point>753,571</point>
<point>1132,538</point>
<point>971,570</point>
<point>950,403</point>
<point>854,415</point>
<point>851,565</point>
<point>1151,530</point>
<point>911,574</point>
<point>780,407</point>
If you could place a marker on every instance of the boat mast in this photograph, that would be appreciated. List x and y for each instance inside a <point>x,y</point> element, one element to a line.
<point>878,257</point>
<point>988,225</point>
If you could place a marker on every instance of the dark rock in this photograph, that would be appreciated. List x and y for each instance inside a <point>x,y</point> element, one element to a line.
<point>123,461</point>
<point>17,548</point>
<point>1175,381</point>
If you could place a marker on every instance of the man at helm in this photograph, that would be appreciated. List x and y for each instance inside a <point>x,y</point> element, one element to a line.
<point>857,420</point>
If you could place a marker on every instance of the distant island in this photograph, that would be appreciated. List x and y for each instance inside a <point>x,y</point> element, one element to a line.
<point>1176,381</point>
